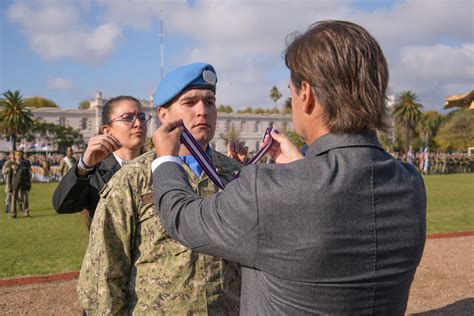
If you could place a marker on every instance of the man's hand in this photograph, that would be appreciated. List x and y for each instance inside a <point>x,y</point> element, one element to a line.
<point>283,150</point>
<point>238,151</point>
<point>99,148</point>
<point>166,139</point>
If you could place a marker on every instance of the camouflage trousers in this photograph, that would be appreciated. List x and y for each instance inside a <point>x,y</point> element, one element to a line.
<point>21,197</point>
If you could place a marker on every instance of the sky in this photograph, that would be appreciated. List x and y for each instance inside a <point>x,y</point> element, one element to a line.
<point>66,50</point>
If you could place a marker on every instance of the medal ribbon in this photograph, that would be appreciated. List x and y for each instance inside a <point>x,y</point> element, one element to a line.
<point>207,165</point>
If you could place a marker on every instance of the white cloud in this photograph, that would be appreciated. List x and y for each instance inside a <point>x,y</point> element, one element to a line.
<point>59,84</point>
<point>428,43</point>
<point>139,14</point>
<point>429,46</point>
<point>440,61</point>
<point>55,30</point>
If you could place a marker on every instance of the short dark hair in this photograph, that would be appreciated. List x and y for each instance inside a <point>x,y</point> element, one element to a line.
<point>347,71</point>
<point>109,107</point>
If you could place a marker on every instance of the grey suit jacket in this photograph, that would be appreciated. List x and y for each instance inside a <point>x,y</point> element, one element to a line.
<point>339,232</point>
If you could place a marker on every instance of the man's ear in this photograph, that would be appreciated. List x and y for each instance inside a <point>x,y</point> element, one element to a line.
<point>307,97</point>
<point>162,114</point>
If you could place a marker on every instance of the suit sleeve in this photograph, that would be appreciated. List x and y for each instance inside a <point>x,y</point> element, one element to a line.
<point>72,193</point>
<point>223,225</point>
<point>105,270</point>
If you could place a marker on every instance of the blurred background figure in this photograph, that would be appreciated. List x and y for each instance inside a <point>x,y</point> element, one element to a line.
<point>426,161</point>
<point>7,172</point>
<point>67,162</point>
<point>411,156</point>
<point>21,184</point>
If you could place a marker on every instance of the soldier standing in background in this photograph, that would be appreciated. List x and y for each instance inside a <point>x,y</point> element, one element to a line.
<point>21,184</point>
<point>7,171</point>
<point>67,162</point>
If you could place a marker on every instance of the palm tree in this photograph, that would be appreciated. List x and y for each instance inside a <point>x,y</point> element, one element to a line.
<point>15,118</point>
<point>428,126</point>
<point>275,95</point>
<point>287,106</point>
<point>407,111</point>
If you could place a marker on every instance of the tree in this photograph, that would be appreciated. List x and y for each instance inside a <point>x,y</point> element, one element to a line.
<point>40,102</point>
<point>231,135</point>
<point>287,106</point>
<point>84,105</point>
<point>259,111</point>
<point>295,138</point>
<point>15,118</point>
<point>458,132</point>
<point>246,110</point>
<point>275,95</point>
<point>428,126</point>
<point>272,111</point>
<point>225,108</point>
<point>407,112</point>
<point>60,136</point>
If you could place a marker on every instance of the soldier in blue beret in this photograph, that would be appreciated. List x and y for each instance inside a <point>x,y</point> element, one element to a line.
<point>131,265</point>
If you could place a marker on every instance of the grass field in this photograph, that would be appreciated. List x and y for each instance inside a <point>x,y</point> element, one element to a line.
<point>450,202</point>
<point>51,243</point>
<point>46,243</point>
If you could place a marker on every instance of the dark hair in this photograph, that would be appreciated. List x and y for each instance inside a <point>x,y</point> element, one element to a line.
<point>347,71</point>
<point>109,107</point>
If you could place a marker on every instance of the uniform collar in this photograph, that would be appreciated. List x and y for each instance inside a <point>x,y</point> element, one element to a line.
<point>340,140</point>
<point>119,160</point>
<point>110,164</point>
<point>192,163</point>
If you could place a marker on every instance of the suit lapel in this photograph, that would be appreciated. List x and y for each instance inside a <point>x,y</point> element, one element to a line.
<point>109,166</point>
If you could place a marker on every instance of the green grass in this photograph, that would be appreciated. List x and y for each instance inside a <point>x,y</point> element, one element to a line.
<point>450,203</point>
<point>52,243</point>
<point>46,243</point>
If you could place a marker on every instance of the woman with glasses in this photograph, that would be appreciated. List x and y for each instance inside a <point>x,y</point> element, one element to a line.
<point>121,138</point>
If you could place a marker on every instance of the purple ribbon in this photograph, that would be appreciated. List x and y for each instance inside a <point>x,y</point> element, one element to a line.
<point>207,165</point>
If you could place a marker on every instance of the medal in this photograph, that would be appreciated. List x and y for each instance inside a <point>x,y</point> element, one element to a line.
<point>207,165</point>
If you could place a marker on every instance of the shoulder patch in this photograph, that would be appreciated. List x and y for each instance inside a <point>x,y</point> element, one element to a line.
<point>148,198</point>
<point>105,190</point>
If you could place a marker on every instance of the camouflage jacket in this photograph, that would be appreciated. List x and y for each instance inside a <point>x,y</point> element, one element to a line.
<point>8,170</point>
<point>132,266</point>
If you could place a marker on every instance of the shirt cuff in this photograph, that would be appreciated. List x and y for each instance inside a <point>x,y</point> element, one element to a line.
<point>158,161</point>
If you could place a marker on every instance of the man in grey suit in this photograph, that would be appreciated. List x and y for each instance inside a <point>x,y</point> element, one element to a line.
<point>339,231</point>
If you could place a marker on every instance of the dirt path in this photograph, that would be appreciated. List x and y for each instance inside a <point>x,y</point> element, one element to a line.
<point>444,285</point>
<point>444,281</point>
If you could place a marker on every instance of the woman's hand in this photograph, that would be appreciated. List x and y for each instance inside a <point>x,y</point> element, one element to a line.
<point>99,148</point>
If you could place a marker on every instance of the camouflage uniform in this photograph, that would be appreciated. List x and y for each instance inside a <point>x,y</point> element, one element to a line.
<point>8,170</point>
<point>133,267</point>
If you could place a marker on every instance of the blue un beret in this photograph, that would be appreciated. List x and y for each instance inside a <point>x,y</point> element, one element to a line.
<point>192,76</point>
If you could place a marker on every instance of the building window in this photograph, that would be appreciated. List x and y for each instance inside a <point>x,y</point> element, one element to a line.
<point>84,123</point>
<point>62,121</point>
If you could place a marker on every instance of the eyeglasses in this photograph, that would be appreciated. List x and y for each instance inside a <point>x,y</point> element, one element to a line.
<point>130,117</point>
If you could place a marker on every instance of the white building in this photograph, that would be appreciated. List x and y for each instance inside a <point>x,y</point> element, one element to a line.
<point>250,127</point>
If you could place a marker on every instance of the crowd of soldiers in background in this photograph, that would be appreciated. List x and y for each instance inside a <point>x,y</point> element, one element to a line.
<point>51,167</point>
<point>44,167</point>
<point>437,162</point>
